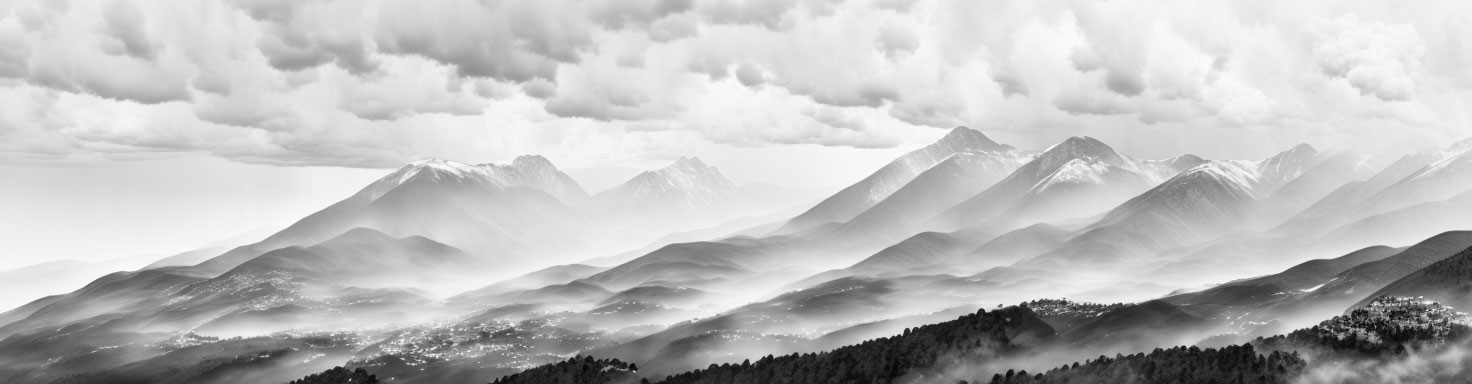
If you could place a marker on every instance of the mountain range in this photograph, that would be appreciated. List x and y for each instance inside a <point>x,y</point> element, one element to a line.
<point>446,271</point>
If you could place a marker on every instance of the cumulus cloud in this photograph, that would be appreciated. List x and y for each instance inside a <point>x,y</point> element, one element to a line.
<point>1124,81</point>
<point>1378,59</point>
<point>673,28</point>
<point>895,41</point>
<point>768,13</point>
<point>510,40</point>
<point>1091,103</point>
<point>539,88</point>
<point>749,75</point>
<point>409,87</point>
<point>375,82</point>
<point>124,22</point>
<point>13,49</point>
<point>635,13</point>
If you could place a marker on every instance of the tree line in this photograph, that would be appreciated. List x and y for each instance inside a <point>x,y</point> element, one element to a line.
<point>577,370</point>
<point>1228,365</point>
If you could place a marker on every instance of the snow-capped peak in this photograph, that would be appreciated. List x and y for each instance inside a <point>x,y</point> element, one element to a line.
<point>969,139</point>
<point>1158,171</point>
<point>1076,171</point>
<point>689,163</point>
<point>1299,154</point>
<point>1237,176</point>
<point>524,171</point>
<point>435,168</point>
<point>1235,173</point>
<point>1283,167</point>
<point>1186,161</point>
<point>538,172</point>
<point>533,163</point>
<point>1081,147</point>
<point>1201,196</point>
<point>1302,149</point>
<point>1456,148</point>
<point>687,186</point>
<point>690,172</point>
<point>1450,158</point>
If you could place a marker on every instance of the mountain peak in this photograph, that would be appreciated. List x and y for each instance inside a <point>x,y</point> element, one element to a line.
<point>532,162</point>
<point>1299,152</point>
<point>434,162</point>
<point>1188,158</point>
<point>1082,141</point>
<point>692,170</point>
<point>1184,162</point>
<point>1216,188</point>
<point>1075,171</point>
<point>1457,148</point>
<point>524,171</point>
<point>1278,170</point>
<point>689,163</point>
<point>1233,173</point>
<point>963,137</point>
<point>688,187</point>
<point>435,167</point>
<point>1082,147</point>
<point>428,168</point>
<point>357,235</point>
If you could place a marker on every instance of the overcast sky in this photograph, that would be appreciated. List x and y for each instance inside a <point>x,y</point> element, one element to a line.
<point>137,126</point>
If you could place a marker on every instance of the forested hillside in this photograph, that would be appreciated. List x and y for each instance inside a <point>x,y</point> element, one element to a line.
<point>1232,364</point>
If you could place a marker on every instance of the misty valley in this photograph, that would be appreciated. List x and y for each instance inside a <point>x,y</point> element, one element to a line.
<point>967,260</point>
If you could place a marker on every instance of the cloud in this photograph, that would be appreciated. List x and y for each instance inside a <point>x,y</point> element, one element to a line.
<point>1010,84</point>
<point>539,88</point>
<point>1124,81</point>
<point>301,35</point>
<point>373,82</point>
<point>895,5</point>
<point>935,107</point>
<point>605,91</point>
<point>103,51</point>
<point>14,50</point>
<point>781,117</point>
<point>620,14</point>
<point>513,41</point>
<point>124,22</point>
<point>836,118</point>
<point>409,86</point>
<point>768,13</point>
<point>124,79</point>
<point>1379,59</point>
<point>749,75</point>
<point>673,28</point>
<point>895,41</point>
<point>868,94</point>
<point>1091,103</point>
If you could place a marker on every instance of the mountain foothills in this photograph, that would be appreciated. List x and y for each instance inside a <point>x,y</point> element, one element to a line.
<point>1288,268</point>
<point>1388,329</point>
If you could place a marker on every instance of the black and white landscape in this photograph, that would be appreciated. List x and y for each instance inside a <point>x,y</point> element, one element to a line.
<point>727,191</point>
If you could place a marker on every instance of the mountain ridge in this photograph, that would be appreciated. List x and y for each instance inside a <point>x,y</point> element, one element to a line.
<point>864,194</point>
